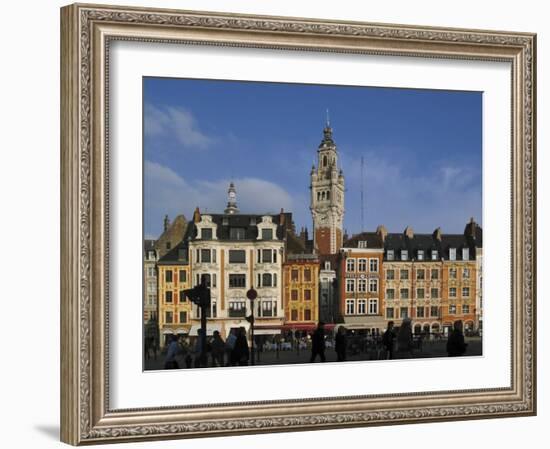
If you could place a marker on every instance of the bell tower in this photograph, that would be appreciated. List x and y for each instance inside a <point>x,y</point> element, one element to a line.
<point>327,197</point>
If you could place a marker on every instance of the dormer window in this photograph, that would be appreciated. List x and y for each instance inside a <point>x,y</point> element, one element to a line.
<point>420,254</point>
<point>404,254</point>
<point>236,234</point>
<point>206,233</point>
<point>465,253</point>
<point>362,244</point>
<point>252,221</point>
<point>267,234</point>
<point>225,221</point>
<point>327,265</point>
<point>390,254</point>
<point>452,253</point>
<point>434,254</point>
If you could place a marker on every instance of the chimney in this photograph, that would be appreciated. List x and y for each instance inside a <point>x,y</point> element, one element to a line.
<point>437,234</point>
<point>282,217</point>
<point>470,229</point>
<point>409,232</point>
<point>166,223</point>
<point>197,215</point>
<point>382,232</point>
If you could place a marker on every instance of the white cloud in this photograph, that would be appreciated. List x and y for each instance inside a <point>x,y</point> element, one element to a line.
<point>166,192</point>
<point>177,123</point>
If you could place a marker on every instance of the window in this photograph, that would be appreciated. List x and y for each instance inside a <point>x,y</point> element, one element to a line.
<point>452,253</point>
<point>168,245</point>
<point>420,312</point>
<point>151,287</point>
<point>452,273</point>
<point>182,297</point>
<point>466,273</point>
<point>434,311</point>
<point>206,233</point>
<point>404,293</point>
<point>452,309</point>
<point>350,285</point>
<point>267,280</point>
<point>362,265</point>
<point>151,271</point>
<point>404,254</point>
<point>373,285</point>
<point>434,293</point>
<point>293,315</point>
<point>373,306</point>
<point>420,254</point>
<point>294,295</point>
<point>362,307</point>
<point>265,308</point>
<point>350,265</point>
<point>390,293</point>
<point>452,292</point>
<point>205,256</point>
<point>327,265</point>
<point>435,273</point>
<point>374,265</point>
<point>237,308</point>
<point>182,276</point>
<point>168,297</point>
<point>183,317</point>
<point>420,274</point>
<point>237,256</point>
<point>237,280</point>
<point>294,275</point>
<point>168,276</point>
<point>307,275</point>
<point>465,253</point>
<point>307,315</point>
<point>404,274</point>
<point>403,312</point>
<point>210,279</point>
<point>267,256</point>
<point>151,300</point>
<point>435,254</point>
<point>307,294</point>
<point>465,308</point>
<point>465,292</point>
<point>362,244</point>
<point>267,234</point>
<point>361,285</point>
<point>169,317</point>
<point>420,293</point>
<point>390,274</point>
<point>389,312</point>
<point>390,255</point>
<point>237,233</point>
<point>350,306</point>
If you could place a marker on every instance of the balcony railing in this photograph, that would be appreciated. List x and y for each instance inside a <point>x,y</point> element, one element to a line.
<point>237,313</point>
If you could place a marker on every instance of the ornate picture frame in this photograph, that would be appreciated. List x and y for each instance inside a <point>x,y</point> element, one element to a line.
<point>87,32</point>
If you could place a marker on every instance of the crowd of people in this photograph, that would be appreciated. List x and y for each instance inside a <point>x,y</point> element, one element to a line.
<point>394,343</point>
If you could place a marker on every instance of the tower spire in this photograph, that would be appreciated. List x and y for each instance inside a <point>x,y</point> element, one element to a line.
<point>231,200</point>
<point>328,119</point>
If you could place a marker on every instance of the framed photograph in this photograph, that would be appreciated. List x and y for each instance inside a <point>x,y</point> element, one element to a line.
<point>278,224</point>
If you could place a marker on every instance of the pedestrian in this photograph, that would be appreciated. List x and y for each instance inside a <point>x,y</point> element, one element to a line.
<point>230,345</point>
<point>218,349</point>
<point>455,344</point>
<point>341,344</point>
<point>388,340</point>
<point>200,359</point>
<point>405,340</point>
<point>318,343</point>
<point>173,348</point>
<point>240,353</point>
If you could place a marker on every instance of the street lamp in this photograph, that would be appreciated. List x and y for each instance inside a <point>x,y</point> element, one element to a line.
<point>251,295</point>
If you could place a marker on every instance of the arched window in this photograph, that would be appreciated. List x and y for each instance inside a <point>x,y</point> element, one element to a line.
<point>318,196</point>
<point>325,161</point>
<point>328,195</point>
<point>323,196</point>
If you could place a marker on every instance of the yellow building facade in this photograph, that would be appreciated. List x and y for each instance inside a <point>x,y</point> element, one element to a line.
<point>301,291</point>
<point>459,291</point>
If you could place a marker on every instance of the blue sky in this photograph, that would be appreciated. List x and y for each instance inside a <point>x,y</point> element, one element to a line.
<point>422,151</point>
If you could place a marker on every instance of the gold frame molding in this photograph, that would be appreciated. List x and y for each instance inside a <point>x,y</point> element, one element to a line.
<point>86,31</point>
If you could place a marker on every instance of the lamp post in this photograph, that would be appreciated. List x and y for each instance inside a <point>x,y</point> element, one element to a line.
<point>251,294</point>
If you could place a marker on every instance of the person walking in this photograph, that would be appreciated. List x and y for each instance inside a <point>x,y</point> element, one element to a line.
<point>240,353</point>
<point>455,344</point>
<point>405,340</point>
<point>218,349</point>
<point>230,345</point>
<point>201,360</point>
<point>173,348</point>
<point>318,343</point>
<point>340,344</point>
<point>388,340</point>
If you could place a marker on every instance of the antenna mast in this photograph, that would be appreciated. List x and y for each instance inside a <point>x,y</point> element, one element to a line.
<point>362,198</point>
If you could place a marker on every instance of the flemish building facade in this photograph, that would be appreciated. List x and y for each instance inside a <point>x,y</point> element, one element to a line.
<point>150,306</point>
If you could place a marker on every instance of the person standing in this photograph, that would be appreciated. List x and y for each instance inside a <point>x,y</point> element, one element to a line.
<point>318,343</point>
<point>240,353</point>
<point>170,362</point>
<point>455,344</point>
<point>405,340</point>
<point>388,340</point>
<point>218,349</point>
<point>340,344</point>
